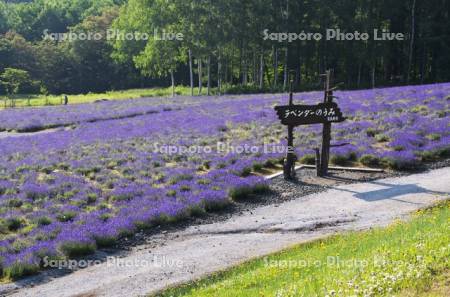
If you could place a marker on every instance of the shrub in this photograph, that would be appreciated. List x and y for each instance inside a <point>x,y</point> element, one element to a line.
<point>197,211</point>
<point>257,166</point>
<point>369,160</point>
<point>105,241</point>
<point>339,159</point>
<point>91,198</point>
<point>105,216</point>
<point>270,163</point>
<point>400,164</point>
<point>174,180</point>
<point>171,193</point>
<point>245,172</point>
<point>371,132</point>
<point>434,155</point>
<point>207,164</point>
<point>162,219</point>
<point>308,159</point>
<point>434,137</point>
<point>14,223</point>
<point>66,216</point>
<point>185,188</point>
<point>44,221</point>
<point>15,203</point>
<point>243,192</point>
<point>261,188</point>
<point>76,249</point>
<point>19,270</point>
<point>203,181</point>
<point>216,205</point>
<point>382,138</point>
<point>442,114</point>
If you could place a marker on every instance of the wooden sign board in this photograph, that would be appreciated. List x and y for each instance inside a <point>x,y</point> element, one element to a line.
<point>296,115</point>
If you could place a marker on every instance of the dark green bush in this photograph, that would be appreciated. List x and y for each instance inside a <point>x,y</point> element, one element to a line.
<point>339,160</point>
<point>241,193</point>
<point>73,249</point>
<point>13,224</point>
<point>66,216</point>
<point>369,160</point>
<point>19,270</point>
<point>105,241</point>
<point>257,166</point>
<point>308,159</point>
<point>15,203</point>
<point>44,221</point>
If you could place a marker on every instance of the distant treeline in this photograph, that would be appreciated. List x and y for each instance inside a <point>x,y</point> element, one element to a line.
<point>223,43</point>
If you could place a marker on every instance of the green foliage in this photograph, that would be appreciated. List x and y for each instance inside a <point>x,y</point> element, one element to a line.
<point>19,270</point>
<point>372,132</point>
<point>245,192</point>
<point>369,160</point>
<point>308,159</point>
<point>343,159</point>
<point>401,165</point>
<point>14,223</point>
<point>73,249</point>
<point>257,166</point>
<point>14,79</point>
<point>382,138</point>
<point>44,221</point>
<point>213,31</point>
<point>171,193</point>
<point>180,177</point>
<point>66,216</point>
<point>15,202</point>
<point>91,198</point>
<point>105,241</point>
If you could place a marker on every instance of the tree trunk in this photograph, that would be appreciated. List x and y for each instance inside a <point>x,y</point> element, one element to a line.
<point>411,44</point>
<point>172,77</point>
<point>261,72</point>
<point>225,74</point>
<point>191,73</point>
<point>275,69</point>
<point>373,76</point>
<point>255,70</point>
<point>209,75</point>
<point>358,82</point>
<point>244,70</point>
<point>200,76</point>
<point>286,71</point>
<point>422,64</point>
<point>219,70</point>
<point>298,75</point>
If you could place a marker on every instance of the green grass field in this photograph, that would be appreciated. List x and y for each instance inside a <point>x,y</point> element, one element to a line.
<point>405,259</point>
<point>41,100</point>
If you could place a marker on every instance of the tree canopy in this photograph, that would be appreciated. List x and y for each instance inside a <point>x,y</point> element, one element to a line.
<point>224,43</point>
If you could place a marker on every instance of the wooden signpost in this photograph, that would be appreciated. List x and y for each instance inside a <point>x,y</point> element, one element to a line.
<point>324,113</point>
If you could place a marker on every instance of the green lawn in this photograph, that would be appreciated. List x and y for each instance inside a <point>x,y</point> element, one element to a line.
<point>402,259</point>
<point>41,100</point>
<point>440,287</point>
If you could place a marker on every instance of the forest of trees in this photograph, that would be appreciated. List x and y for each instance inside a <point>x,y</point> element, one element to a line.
<point>222,45</point>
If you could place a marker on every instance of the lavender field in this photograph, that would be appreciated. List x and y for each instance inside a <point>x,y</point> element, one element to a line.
<point>112,168</point>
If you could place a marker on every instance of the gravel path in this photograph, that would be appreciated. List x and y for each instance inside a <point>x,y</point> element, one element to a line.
<point>179,256</point>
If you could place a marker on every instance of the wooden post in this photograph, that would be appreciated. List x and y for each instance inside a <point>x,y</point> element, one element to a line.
<point>289,164</point>
<point>326,132</point>
<point>317,150</point>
